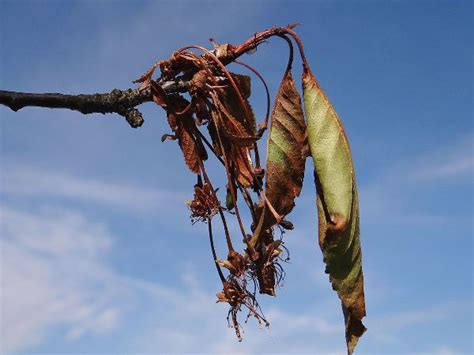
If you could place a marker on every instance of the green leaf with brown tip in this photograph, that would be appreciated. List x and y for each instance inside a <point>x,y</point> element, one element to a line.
<point>286,149</point>
<point>338,207</point>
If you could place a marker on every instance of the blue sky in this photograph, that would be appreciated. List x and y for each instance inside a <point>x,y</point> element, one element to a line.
<point>97,251</point>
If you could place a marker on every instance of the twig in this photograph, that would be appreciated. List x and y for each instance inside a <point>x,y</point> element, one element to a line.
<point>116,101</point>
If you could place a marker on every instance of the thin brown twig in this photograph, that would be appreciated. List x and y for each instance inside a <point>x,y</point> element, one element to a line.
<point>230,247</point>
<point>247,197</point>
<point>230,182</point>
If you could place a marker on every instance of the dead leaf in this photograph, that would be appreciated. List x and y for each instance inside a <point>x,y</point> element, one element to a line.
<point>183,126</point>
<point>243,166</point>
<point>158,94</point>
<point>242,111</point>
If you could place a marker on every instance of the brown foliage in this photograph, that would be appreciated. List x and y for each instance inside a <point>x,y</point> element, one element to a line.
<point>219,100</point>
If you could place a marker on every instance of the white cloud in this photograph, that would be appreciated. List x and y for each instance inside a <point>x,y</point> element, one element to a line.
<point>28,182</point>
<point>452,162</point>
<point>52,273</point>
<point>387,328</point>
<point>194,323</point>
<point>459,166</point>
<point>55,272</point>
<point>390,196</point>
<point>446,350</point>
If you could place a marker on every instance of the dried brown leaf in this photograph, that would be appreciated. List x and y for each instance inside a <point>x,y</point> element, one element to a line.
<point>243,166</point>
<point>233,129</point>
<point>183,126</point>
<point>146,77</point>
<point>159,95</point>
<point>240,110</point>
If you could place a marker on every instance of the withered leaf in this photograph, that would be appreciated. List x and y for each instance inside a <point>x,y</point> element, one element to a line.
<point>158,94</point>
<point>241,111</point>
<point>337,202</point>
<point>239,156</point>
<point>233,129</point>
<point>243,166</point>
<point>286,150</point>
<point>146,77</point>
<point>188,147</point>
<point>183,126</point>
<point>211,128</point>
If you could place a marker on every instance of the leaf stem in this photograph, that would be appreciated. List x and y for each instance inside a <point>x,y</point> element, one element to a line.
<point>213,249</point>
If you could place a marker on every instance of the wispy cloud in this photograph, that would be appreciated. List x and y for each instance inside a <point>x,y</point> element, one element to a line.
<point>390,196</point>
<point>52,273</point>
<point>21,181</point>
<point>195,323</point>
<point>387,328</point>
<point>65,280</point>
<point>446,350</point>
<point>451,162</point>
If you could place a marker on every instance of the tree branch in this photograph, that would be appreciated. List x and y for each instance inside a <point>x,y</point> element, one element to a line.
<point>124,102</point>
<point>118,101</point>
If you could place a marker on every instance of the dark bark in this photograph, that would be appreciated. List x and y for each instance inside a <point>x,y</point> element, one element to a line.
<point>122,102</point>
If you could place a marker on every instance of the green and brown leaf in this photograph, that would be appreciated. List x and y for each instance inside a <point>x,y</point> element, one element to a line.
<point>284,173</point>
<point>337,203</point>
<point>286,149</point>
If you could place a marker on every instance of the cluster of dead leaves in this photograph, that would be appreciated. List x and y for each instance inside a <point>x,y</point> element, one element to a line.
<point>214,117</point>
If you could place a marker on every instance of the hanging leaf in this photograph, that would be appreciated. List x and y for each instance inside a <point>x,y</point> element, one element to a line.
<point>183,127</point>
<point>284,177</point>
<point>286,150</point>
<point>242,111</point>
<point>240,162</point>
<point>337,203</point>
<point>211,128</point>
<point>243,166</point>
<point>233,129</point>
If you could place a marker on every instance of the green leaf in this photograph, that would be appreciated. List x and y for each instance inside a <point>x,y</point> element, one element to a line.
<point>337,203</point>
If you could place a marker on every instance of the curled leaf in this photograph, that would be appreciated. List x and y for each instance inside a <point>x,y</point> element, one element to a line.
<point>158,94</point>
<point>234,130</point>
<point>242,111</point>
<point>283,180</point>
<point>183,126</point>
<point>286,149</point>
<point>243,166</point>
<point>147,76</point>
<point>337,203</point>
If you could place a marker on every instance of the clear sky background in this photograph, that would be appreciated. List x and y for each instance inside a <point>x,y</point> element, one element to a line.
<point>97,251</point>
